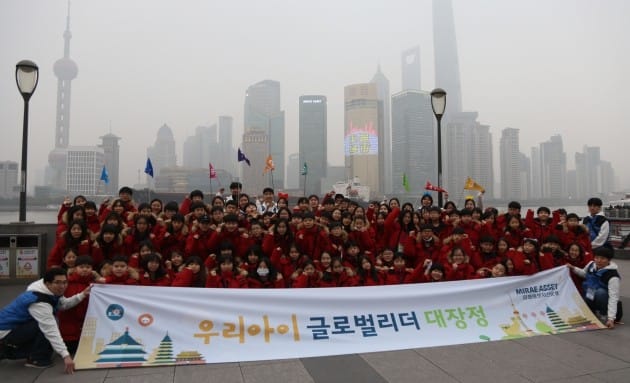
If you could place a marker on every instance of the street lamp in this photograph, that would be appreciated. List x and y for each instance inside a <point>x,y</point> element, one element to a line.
<point>26,76</point>
<point>438,103</point>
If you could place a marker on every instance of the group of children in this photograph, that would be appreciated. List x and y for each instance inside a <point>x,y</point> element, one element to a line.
<point>238,242</point>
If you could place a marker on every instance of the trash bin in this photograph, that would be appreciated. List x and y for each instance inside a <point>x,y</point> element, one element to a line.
<point>21,257</point>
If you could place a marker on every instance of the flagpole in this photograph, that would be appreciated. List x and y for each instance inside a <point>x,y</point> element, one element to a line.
<point>272,184</point>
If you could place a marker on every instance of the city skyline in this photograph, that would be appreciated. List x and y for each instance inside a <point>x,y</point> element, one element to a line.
<point>100,100</point>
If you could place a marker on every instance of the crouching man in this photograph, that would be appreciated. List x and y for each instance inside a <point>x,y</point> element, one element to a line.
<point>28,328</point>
<point>601,286</point>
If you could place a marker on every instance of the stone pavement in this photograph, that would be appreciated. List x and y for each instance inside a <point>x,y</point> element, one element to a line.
<point>586,357</point>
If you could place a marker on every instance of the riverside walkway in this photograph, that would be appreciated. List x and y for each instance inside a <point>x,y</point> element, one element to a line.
<point>584,357</point>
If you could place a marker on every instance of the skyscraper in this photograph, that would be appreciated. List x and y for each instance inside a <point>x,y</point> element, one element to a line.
<point>262,112</point>
<point>313,141</point>
<point>385,145</point>
<point>162,153</point>
<point>224,159</point>
<point>413,141</point>
<point>256,148</point>
<point>481,158</point>
<point>593,175</point>
<point>66,70</point>
<point>457,152</point>
<point>9,187</point>
<point>554,168</point>
<point>111,152</point>
<point>410,68</point>
<point>446,58</point>
<point>510,164</point>
<point>201,148</point>
<point>363,135</point>
<point>293,171</point>
<point>83,170</point>
<point>536,185</point>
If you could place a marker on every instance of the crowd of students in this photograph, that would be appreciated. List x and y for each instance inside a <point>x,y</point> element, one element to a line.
<point>239,242</point>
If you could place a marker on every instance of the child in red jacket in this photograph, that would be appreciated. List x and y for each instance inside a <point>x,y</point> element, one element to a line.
<point>227,275</point>
<point>458,268</point>
<point>367,274</point>
<point>152,273</point>
<point>399,274</point>
<point>309,278</point>
<point>193,274</point>
<point>526,260</point>
<point>71,321</point>
<point>265,276</point>
<point>121,273</point>
<point>340,276</point>
<point>312,239</point>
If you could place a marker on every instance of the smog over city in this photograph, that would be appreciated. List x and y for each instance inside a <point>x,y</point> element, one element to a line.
<point>554,70</point>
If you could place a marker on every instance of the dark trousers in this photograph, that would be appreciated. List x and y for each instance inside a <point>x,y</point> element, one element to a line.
<point>28,341</point>
<point>599,303</point>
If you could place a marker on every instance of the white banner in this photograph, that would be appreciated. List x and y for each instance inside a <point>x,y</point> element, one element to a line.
<point>131,326</point>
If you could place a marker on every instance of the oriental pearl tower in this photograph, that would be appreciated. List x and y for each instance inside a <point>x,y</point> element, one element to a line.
<point>66,70</point>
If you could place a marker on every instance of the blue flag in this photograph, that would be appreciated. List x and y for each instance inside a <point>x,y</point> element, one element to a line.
<point>241,157</point>
<point>104,175</point>
<point>149,168</point>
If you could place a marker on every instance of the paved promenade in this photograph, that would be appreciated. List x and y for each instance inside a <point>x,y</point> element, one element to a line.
<point>586,357</point>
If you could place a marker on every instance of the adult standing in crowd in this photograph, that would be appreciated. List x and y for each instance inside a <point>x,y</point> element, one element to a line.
<point>597,224</point>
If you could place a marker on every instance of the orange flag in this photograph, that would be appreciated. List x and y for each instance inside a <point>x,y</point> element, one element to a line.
<point>269,166</point>
<point>472,185</point>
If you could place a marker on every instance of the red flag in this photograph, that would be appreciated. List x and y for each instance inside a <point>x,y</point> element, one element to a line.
<point>213,172</point>
<point>430,186</point>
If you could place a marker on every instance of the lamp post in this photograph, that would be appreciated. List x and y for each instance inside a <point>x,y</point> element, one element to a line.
<point>438,103</point>
<point>26,77</point>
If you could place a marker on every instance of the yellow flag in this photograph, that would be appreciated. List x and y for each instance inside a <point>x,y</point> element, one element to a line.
<point>472,185</point>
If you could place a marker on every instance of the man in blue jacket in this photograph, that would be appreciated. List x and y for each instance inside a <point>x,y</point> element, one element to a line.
<point>28,328</point>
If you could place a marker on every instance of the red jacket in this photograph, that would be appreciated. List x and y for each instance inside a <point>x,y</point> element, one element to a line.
<point>397,277</point>
<point>394,233</point>
<point>524,264</point>
<point>185,278</point>
<point>145,280</point>
<point>126,279</point>
<point>93,223</point>
<point>55,258</point>
<point>71,321</point>
<point>108,251</point>
<point>227,280</point>
<point>198,243</point>
<point>235,237</point>
<point>539,230</point>
<point>578,235</point>
<point>305,281</point>
<point>365,240</point>
<point>312,242</point>
<point>173,242</point>
<point>271,242</point>
<point>460,272</point>
<point>333,279</point>
<point>255,283</point>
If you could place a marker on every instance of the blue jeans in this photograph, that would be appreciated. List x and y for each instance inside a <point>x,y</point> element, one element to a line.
<point>28,341</point>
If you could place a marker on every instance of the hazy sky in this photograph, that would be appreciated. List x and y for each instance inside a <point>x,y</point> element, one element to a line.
<point>544,67</point>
